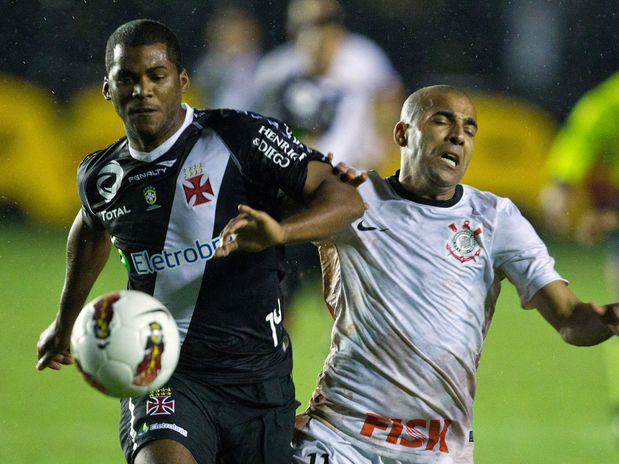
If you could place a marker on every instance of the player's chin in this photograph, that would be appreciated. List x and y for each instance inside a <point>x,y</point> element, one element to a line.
<point>147,128</point>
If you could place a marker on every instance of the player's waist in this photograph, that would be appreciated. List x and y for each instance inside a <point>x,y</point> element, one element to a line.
<point>423,439</point>
<point>220,367</point>
<point>419,384</point>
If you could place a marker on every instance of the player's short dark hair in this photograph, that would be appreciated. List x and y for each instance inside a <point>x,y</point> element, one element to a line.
<point>144,32</point>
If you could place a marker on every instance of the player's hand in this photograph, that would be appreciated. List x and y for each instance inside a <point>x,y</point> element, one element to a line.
<point>53,348</point>
<point>609,314</point>
<point>347,174</point>
<point>252,230</point>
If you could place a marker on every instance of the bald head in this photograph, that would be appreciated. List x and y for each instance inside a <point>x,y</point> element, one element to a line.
<point>421,99</point>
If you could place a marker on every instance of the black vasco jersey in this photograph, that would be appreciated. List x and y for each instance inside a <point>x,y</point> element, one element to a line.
<point>165,217</point>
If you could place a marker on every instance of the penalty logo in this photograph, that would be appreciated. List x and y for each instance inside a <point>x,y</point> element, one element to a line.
<point>464,243</point>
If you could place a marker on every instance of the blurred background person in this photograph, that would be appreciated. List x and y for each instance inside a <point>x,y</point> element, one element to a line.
<point>225,74</point>
<point>338,88</point>
<point>584,159</point>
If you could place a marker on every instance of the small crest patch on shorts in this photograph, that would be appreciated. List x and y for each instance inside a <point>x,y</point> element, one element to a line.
<point>160,403</point>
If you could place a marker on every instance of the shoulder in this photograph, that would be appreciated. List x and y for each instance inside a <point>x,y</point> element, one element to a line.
<point>488,203</point>
<point>96,160</point>
<point>376,189</point>
<point>237,123</point>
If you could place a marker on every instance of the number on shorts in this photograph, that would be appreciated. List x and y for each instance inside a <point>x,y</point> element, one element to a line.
<point>324,456</point>
<point>274,318</point>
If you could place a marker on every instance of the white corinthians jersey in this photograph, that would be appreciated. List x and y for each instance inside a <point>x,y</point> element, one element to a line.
<point>413,286</point>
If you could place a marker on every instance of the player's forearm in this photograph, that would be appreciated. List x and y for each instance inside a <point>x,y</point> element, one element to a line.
<point>584,327</point>
<point>333,206</point>
<point>578,323</point>
<point>87,253</point>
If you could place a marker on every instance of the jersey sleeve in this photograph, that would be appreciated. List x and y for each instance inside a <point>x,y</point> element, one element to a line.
<point>521,255</point>
<point>88,215</point>
<point>266,151</point>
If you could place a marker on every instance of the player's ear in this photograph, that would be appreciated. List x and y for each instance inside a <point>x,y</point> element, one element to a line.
<point>184,80</point>
<point>105,90</point>
<point>399,133</point>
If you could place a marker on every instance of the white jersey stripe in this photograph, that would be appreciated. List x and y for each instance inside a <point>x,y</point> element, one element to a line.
<point>191,221</point>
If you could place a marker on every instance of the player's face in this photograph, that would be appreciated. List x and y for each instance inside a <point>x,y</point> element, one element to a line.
<point>439,142</point>
<point>145,88</point>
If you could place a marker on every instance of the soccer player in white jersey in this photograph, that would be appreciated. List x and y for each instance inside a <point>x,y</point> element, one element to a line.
<point>412,287</point>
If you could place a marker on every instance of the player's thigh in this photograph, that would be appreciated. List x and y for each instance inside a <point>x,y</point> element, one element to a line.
<point>318,444</point>
<point>174,413</point>
<point>262,440</point>
<point>164,452</point>
<point>260,435</point>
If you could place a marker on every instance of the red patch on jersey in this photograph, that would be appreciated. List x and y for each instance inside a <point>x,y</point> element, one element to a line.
<point>198,190</point>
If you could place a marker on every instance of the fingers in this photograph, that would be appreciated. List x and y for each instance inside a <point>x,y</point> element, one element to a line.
<point>349,175</point>
<point>360,179</point>
<point>226,248</point>
<point>340,168</point>
<point>609,314</point>
<point>255,214</point>
<point>54,361</point>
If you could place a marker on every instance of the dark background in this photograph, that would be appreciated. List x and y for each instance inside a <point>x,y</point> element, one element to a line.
<point>59,44</point>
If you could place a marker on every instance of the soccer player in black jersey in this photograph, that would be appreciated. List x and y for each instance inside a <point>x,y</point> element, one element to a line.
<point>162,195</point>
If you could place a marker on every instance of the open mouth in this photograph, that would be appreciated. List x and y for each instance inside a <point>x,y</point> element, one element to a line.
<point>452,159</point>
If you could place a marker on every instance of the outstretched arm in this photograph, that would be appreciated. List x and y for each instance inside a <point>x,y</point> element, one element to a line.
<point>331,206</point>
<point>582,324</point>
<point>87,253</point>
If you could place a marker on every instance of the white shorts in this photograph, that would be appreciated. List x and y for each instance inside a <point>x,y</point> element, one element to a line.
<point>318,444</point>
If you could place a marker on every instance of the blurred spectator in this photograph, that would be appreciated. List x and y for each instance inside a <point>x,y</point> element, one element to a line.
<point>337,88</point>
<point>585,155</point>
<point>339,93</point>
<point>225,75</point>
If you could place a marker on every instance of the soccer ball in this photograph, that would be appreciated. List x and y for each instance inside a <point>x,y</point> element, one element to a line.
<point>125,343</point>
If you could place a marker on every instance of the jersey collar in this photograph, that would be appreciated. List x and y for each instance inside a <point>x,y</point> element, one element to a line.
<point>395,183</point>
<point>148,156</point>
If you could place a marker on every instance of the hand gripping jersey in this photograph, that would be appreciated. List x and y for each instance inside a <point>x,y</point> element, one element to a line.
<point>413,286</point>
<point>164,216</point>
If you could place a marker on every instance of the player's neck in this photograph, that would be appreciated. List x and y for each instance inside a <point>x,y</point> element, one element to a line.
<point>426,190</point>
<point>147,142</point>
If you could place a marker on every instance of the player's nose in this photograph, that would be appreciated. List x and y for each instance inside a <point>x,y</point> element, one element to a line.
<point>142,88</point>
<point>456,135</point>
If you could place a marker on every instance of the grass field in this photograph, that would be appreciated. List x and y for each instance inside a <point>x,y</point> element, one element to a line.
<point>538,401</point>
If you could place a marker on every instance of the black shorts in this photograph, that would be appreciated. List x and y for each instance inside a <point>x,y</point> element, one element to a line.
<point>218,424</point>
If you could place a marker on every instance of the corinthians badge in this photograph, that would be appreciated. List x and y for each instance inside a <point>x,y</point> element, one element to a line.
<point>464,243</point>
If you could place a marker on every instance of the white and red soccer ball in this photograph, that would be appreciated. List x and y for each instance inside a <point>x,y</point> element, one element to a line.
<point>125,343</point>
